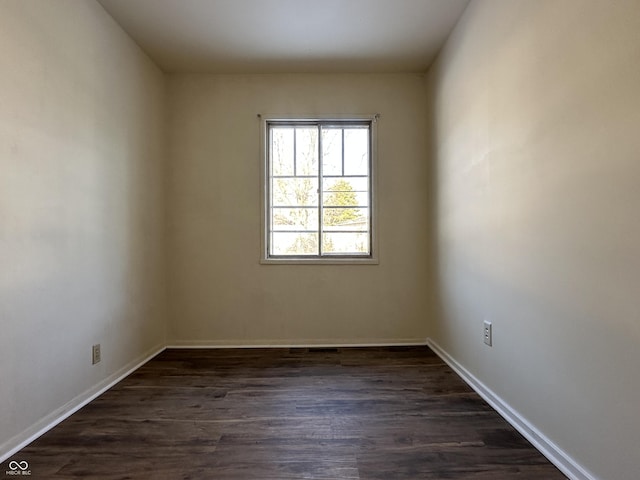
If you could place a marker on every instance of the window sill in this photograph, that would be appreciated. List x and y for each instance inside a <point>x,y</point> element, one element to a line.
<point>319,261</point>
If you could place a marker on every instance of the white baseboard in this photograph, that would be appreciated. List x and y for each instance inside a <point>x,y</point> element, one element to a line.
<point>550,450</point>
<point>17,443</point>
<point>322,343</point>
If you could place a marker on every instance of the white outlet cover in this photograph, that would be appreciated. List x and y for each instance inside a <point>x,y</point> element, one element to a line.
<point>488,333</point>
<point>95,354</point>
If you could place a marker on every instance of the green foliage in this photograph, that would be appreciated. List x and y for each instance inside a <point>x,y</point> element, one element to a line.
<point>342,195</point>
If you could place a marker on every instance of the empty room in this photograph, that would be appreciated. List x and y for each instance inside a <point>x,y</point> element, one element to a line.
<point>337,239</point>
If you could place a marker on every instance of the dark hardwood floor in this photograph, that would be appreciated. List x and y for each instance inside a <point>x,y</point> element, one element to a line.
<point>279,414</point>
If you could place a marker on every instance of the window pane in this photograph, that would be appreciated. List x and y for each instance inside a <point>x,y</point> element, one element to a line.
<point>306,151</point>
<point>287,243</point>
<point>358,184</point>
<point>282,151</point>
<point>292,192</point>
<point>331,151</point>
<point>294,219</point>
<point>345,243</point>
<point>345,219</point>
<point>356,151</point>
<point>345,192</point>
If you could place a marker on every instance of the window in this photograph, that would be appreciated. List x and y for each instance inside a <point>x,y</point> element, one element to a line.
<point>318,189</point>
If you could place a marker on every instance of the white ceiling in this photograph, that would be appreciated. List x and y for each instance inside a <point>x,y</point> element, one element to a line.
<point>269,36</point>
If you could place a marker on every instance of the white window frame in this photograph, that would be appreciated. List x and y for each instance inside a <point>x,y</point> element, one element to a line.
<point>265,258</point>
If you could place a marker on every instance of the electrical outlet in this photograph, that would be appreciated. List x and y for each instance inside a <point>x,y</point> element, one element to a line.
<point>95,354</point>
<point>488,334</point>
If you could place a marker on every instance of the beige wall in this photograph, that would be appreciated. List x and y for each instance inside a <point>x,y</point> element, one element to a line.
<point>219,292</point>
<point>81,216</point>
<point>537,149</point>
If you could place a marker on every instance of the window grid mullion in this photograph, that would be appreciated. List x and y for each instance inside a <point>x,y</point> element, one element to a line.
<point>320,191</point>
<point>370,187</point>
<point>295,152</point>
<point>342,153</point>
<point>270,194</point>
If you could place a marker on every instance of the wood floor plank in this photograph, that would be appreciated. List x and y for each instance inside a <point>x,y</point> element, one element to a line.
<point>283,414</point>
